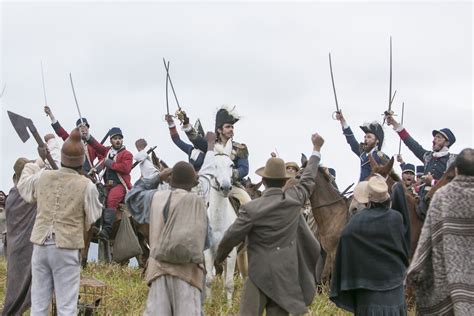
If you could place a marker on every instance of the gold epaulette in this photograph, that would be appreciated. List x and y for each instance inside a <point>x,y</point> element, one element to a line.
<point>241,150</point>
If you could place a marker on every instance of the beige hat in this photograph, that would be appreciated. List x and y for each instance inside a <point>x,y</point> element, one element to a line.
<point>375,190</point>
<point>293,165</point>
<point>274,169</point>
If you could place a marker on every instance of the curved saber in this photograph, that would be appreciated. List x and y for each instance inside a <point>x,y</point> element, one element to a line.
<point>3,90</point>
<point>44,86</point>
<point>333,85</point>
<point>171,83</point>
<point>167,81</point>
<point>390,99</point>
<point>75,98</point>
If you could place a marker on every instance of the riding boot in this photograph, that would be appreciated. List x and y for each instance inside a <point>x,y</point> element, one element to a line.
<point>108,219</point>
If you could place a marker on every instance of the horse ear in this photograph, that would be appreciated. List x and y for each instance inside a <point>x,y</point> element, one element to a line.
<point>387,168</point>
<point>258,185</point>
<point>304,160</point>
<point>372,162</point>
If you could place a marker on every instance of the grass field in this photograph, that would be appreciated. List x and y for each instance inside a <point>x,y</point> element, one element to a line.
<point>127,293</point>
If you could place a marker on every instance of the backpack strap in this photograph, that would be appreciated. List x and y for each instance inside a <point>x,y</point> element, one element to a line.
<point>166,209</point>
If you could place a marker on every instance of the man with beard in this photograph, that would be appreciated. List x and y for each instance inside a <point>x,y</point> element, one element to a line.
<point>118,164</point>
<point>372,145</point>
<point>83,126</point>
<point>436,161</point>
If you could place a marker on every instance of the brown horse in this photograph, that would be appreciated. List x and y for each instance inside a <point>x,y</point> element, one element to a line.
<point>416,223</point>
<point>445,179</point>
<point>330,211</point>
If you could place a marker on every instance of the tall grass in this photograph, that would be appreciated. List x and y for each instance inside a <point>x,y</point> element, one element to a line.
<point>127,292</point>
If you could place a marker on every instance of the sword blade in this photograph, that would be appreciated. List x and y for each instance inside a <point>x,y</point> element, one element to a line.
<point>167,81</point>
<point>400,140</point>
<point>333,85</point>
<point>390,84</point>
<point>75,99</point>
<point>3,90</point>
<point>171,84</point>
<point>44,86</point>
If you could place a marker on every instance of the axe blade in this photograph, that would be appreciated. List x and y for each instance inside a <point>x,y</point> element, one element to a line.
<point>21,125</point>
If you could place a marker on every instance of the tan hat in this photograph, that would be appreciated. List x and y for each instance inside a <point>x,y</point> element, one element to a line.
<point>292,164</point>
<point>72,152</point>
<point>274,169</point>
<point>18,168</point>
<point>375,190</point>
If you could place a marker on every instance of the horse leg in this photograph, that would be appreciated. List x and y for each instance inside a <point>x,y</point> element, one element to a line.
<point>209,262</point>
<point>85,250</point>
<point>229,273</point>
<point>242,262</point>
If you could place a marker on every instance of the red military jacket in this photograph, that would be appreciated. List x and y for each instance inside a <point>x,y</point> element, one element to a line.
<point>91,154</point>
<point>122,163</point>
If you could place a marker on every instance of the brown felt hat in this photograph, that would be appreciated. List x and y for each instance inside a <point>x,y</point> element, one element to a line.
<point>183,176</point>
<point>72,152</point>
<point>18,168</point>
<point>274,169</point>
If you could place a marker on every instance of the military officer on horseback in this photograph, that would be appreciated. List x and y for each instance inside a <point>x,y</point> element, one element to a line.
<point>372,145</point>
<point>435,161</point>
<point>224,128</point>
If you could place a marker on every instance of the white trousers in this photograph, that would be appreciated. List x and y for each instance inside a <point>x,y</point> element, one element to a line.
<point>58,270</point>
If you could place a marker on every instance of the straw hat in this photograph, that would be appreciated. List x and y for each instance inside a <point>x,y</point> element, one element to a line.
<point>274,169</point>
<point>375,190</point>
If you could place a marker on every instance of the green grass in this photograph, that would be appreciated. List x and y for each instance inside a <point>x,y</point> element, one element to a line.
<point>127,292</point>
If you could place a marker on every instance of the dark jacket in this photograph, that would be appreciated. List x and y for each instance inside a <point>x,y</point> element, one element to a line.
<point>372,253</point>
<point>365,168</point>
<point>282,257</point>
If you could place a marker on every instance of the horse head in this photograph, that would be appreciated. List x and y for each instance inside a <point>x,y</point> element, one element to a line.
<point>224,168</point>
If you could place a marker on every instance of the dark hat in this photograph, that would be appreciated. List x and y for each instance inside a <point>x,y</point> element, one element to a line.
<point>420,170</point>
<point>446,133</point>
<point>183,176</point>
<point>376,129</point>
<point>332,172</point>
<point>83,121</point>
<point>408,167</point>
<point>226,115</point>
<point>114,131</point>
<point>274,169</point>
<point>72,152</point>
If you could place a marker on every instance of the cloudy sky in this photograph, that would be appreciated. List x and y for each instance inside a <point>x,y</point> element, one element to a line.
<point>268,59</point>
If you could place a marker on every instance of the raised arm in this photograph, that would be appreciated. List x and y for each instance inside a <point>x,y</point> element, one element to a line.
<point>58,129</point>
<point>411,143</point>
<point>347,131</point>
<point>98,147</point>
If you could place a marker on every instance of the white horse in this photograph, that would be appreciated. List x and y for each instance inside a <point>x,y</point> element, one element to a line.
<point>221,216</point>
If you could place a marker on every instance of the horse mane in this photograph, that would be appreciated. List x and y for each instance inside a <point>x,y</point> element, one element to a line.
<point>219,148</point>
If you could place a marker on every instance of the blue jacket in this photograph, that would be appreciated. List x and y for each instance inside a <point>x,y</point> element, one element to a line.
<point>365,168</point>
<point>239,154</point>
<point>435,166</point>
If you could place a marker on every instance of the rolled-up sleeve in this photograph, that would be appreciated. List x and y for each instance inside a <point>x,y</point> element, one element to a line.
<point>28,181</point>
<point>92,206</point>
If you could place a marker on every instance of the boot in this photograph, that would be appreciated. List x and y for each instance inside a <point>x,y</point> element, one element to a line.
<point>108,218</point>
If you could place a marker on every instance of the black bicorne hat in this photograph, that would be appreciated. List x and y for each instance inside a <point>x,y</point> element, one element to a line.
<point>376,129</point>
<point>226,115</point>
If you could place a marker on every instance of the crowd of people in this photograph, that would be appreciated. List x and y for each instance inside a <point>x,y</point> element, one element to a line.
<point>48,212</point>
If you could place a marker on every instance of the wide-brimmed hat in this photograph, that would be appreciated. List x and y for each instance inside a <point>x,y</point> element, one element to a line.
<point>183,176</point>
<point>72,151</point>
<point>374,190</point>
<point>292,164</point>
<point>446,133</point>
<point>408,167</point>
<point>274,169</point>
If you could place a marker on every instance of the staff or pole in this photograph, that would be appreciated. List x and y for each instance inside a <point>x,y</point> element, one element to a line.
<point>333,86</point>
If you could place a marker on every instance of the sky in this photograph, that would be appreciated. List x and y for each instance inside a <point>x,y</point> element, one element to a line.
<point>269,59</point>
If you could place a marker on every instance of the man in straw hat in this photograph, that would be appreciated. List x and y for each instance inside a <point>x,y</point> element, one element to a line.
<point>436,161</point>
<point>372,254</point>
<point>20,218</point>
<point>68,204</point>
<point>175,283</point>
<point>282,251</point>
<point>372,145</point>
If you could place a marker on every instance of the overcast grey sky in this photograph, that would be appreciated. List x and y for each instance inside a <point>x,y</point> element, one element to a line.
<point>268,59</point>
